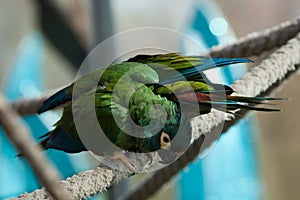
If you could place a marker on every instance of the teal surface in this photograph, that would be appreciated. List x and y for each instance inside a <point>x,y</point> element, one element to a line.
<point>229,171</point>
<point>25,80</point>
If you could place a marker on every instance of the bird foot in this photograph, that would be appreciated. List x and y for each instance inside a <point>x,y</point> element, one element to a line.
<point>120,156</point>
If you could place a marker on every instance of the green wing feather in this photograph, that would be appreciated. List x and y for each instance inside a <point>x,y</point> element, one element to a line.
<point>190,67</point>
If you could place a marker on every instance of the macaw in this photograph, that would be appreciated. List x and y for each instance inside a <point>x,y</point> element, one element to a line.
<point>159,93</point>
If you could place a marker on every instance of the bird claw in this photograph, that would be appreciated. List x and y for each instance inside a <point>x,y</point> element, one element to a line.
<point>123,159</point>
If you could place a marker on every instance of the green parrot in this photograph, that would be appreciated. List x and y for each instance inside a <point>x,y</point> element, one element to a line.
<point>142,105</point>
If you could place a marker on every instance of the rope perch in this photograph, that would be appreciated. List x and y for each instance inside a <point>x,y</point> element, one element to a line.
<point>19,135</point>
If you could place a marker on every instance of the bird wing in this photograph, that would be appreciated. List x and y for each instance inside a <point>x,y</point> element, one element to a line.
<point>103,80</point>
<point>183,76</point>
<point>189,67</point>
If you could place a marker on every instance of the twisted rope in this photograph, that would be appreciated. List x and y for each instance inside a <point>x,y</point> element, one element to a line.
<point>256,42</point>
<point>19,135</point>
<point>29,106</point>
<point>82,185</point>
<point>281,64</point>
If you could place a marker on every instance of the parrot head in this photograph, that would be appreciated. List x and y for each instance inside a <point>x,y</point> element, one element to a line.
<point>171,141</point>
<point>174,141</point>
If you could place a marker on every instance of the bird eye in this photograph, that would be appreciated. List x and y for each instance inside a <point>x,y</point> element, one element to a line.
<point>165,141</point>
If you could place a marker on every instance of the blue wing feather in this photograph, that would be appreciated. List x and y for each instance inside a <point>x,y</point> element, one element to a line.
<point>58,98</point>
<point>60,140</point>
<point>208,63</point>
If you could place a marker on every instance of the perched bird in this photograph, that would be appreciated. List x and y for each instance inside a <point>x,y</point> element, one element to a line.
<point>155,95</point>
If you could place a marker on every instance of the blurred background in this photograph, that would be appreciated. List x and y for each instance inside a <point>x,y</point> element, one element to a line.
<point>43,42</point>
